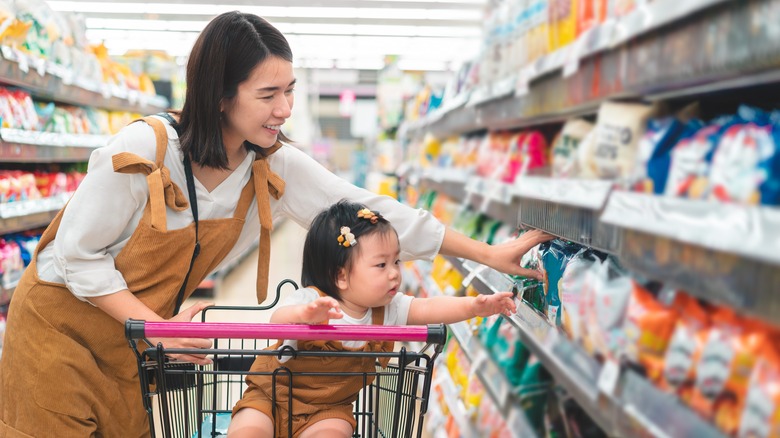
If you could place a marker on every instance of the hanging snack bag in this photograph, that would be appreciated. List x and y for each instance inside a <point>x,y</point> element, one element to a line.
<point>573,285</point>
<point>648,328</point>
<point>564,148</point>
<point>739,167</point>
<point>606,311</point>
<point>617,133</point>
<point>555,256</point>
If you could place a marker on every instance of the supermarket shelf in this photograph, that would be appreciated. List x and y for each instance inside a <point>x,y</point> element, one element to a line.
<point>20,146</point>
<point>494,380</point>
<point>24,215</point>
<point>721,252</point>
<point>454,403</point>
<point>50,81</point>
<point>632,407</point>
<point>569,209</point>
<point>600,66</point>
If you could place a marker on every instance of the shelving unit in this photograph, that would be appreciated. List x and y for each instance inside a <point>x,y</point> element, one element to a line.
<point>723,253</point>
<point>49,81</point>
<point>631,407</point>
<point>536,99</point>
<point>495,382</point>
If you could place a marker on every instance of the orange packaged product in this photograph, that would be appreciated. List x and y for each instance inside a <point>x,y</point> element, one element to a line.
<point>761,416</point>
<point>648,329</point>
<point>590,13</point>
<point>685,346</point>
<point>724,368</point>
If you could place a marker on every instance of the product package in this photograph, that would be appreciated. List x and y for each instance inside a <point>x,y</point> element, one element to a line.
<point>564,149</point>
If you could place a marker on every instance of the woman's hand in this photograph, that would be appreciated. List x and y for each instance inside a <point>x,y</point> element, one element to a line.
<point>506,257</point>
<point>321,309</point>
<point>487,305</point>
<point>186,315</point>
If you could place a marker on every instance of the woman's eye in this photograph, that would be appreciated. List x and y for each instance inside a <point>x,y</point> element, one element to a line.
<point>267,97</point>
<point>289,92</point>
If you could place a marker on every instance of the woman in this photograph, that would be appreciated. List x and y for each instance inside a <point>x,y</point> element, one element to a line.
<point>160,210</point>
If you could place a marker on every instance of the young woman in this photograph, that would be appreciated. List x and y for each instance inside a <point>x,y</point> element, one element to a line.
<point>161,207</point>
<point>351,268</point>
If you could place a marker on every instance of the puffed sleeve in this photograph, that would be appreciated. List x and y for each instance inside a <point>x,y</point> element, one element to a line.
<point>310,188</point>
<point>98,214</point>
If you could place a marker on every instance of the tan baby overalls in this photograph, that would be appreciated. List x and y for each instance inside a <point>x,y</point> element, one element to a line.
<point>66,369</point>
<point>317,397</point>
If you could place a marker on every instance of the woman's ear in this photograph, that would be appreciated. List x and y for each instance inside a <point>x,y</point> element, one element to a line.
<point>342,279</point>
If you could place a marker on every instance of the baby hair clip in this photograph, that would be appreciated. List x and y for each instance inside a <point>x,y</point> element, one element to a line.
<point>368,214</point>
<point>347,239</point>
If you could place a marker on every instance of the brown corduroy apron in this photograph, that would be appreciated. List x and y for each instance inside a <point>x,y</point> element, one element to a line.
<point>67,370</point>
<point>315,397</point>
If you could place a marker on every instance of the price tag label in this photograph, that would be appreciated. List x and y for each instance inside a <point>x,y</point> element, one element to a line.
<point>608,377</point>
<point>23,63</point>
<point>8,53</point>
<point>573,54</point>
<point>40,66</point>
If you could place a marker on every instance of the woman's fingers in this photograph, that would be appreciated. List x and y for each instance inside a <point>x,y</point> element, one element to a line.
<point>193,310</point>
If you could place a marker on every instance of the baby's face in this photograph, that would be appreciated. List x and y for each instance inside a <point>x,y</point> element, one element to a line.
<point>375,274</point>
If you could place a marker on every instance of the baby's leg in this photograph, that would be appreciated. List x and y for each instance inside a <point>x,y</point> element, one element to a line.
<point>250,423</point>
<point>328,428</point>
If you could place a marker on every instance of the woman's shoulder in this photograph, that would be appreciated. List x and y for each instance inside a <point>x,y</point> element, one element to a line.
<point>138,137</point>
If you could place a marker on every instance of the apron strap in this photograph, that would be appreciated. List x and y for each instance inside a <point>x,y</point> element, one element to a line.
<point>267,184</point>
<point>162,191</point>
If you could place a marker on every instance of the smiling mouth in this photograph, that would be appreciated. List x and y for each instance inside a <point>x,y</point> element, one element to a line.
<point>273,127</point>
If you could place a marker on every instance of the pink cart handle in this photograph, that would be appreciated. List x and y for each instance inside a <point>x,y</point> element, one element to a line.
<point>432,334</point>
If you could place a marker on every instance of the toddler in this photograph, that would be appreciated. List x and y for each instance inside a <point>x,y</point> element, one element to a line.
<point>351,270</point>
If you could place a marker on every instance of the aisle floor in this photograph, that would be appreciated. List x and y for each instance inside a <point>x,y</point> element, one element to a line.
<point>237,288</point>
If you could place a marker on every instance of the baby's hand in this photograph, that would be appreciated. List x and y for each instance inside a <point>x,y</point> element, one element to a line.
<point>322,309</point>
<point>502,302</point>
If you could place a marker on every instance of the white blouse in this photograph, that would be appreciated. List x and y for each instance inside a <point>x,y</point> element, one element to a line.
<point>106,209</point>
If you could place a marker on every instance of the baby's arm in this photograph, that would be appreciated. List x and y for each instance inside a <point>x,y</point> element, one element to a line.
<point>315,312</point>
<point>448,310</point>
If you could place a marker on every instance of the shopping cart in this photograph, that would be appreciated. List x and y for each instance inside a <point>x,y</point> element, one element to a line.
<point>184,400</point>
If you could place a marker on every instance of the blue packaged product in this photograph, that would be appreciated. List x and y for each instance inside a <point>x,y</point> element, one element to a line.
<point>743,160</point>
<point>555,256</point>
<point>691,158</point>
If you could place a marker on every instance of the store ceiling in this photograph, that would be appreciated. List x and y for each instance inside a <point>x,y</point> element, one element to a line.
<point>350,34</point>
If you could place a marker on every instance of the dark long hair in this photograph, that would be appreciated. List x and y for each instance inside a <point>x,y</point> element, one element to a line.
<point>223,56</point>
<point>323,256</point>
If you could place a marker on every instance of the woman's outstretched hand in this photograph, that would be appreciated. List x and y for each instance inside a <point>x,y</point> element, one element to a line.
<point>186,315</point>
<point>505,257</point>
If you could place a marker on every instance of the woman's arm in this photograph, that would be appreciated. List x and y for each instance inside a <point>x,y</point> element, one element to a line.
<point>504,257</point>
<point>448,310</point>
<point>124,305</point>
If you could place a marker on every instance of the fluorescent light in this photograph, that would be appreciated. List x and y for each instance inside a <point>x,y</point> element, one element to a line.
<point>290,28</point>
<point>267,11</point>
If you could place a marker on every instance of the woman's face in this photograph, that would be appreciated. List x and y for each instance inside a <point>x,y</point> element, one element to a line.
<point>262,104</point>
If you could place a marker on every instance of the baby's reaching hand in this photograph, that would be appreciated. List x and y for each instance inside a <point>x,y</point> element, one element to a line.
<point>321,309</point>
<point>502,302</point>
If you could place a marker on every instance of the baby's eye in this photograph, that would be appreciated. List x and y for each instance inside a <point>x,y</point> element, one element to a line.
<point>381,265</point>
<point>398,262</point>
